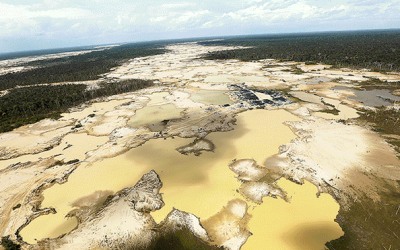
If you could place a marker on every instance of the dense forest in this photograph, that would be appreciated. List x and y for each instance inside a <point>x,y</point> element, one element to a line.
<point>375,50</point>
<point>84,67</point>
<point>31,104</point>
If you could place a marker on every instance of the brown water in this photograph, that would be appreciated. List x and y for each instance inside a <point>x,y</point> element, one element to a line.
<point>199,185</point>
<point>211,97</point>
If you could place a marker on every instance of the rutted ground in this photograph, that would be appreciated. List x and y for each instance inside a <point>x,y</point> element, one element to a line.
<point>196,98</point>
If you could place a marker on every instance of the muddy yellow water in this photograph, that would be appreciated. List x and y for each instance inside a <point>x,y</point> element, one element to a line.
<point>211,97</point>
<point>304,223</point>
<point>73,146</point>
<point>152,115</point>
<point>157,98</point>
<point>95,108</point>
<point>199,185</point>
<point>345,112</point>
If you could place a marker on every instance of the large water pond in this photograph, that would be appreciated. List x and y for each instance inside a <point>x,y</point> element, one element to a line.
<point>373,98</point>
<point>345,112</point>
<point>154,116</point>
<point>211,97</point>
<point>202,185</point>
<point>73,146</point>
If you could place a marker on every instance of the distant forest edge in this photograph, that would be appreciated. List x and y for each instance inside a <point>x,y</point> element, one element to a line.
<point>31,104</point>
<point>83,67</point>
<point>32,53</point>
<point>375,50</point>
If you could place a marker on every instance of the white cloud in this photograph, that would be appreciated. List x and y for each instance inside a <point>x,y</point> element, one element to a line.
<point>177,5</point>
<point>158,19</point>
<point>189,16</point>
<point>23,12</point>
<point>134,19</point>
<point>281,10</point>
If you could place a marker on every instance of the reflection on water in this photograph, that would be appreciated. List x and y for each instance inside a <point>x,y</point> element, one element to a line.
<point>211,97</point>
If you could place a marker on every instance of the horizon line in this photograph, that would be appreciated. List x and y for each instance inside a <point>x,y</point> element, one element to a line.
<point>76,48</point>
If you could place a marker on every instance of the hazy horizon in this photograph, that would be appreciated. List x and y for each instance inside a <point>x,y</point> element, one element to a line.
<point>45,24</point>
<point>78,47</point>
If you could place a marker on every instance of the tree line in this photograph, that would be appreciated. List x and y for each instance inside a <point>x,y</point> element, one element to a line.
<point>84,67</point>
<point>375,50</point>
<point>30,104</point>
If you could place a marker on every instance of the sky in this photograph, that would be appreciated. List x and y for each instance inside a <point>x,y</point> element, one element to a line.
<point>42,24</point>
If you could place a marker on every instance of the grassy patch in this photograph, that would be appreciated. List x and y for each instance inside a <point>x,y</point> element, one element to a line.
<point>369,224</point>
<point>384,121</point>
<point>9,244</point>
<point>296,70</point>
<point>332,110</point>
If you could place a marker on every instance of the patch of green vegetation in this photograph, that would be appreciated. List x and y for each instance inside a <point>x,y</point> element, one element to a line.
<point>30,104</point>
<point>375,50</point>
<point>332,110</point>
<point>384,121</point>
<point>9,244</point>
<point>285,90</point>
<point>376,83</point>
<point>296,70</point>
<point>17,206</point>
<point>337,79</point>
<point>369,224</point>
<point>271,66</point>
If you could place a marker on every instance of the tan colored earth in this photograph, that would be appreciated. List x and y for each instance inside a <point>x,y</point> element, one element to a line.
<point>192,152</point>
